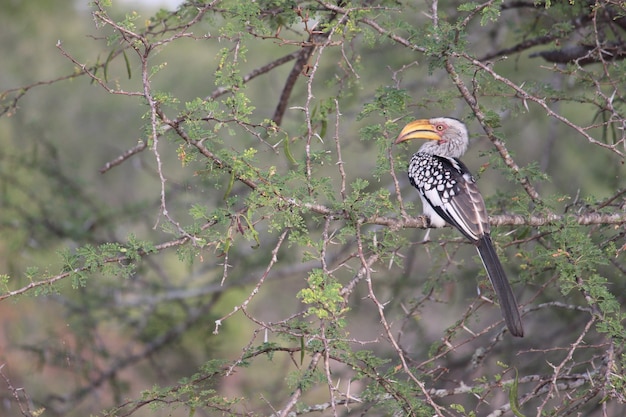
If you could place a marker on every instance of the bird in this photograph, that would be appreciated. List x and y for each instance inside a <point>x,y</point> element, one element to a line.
<point>450,195</point>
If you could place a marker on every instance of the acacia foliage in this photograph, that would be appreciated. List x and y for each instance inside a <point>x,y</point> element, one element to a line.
<point>302,284</point>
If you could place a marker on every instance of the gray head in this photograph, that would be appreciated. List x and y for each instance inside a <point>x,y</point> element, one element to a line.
<point>445,136</point>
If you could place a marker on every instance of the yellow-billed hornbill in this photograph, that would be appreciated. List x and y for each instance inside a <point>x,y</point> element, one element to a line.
<point>449,195</point>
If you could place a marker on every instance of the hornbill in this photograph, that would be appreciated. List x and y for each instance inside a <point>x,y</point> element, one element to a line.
<point>449,195</point>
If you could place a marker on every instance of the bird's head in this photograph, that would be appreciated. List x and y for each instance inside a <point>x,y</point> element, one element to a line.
<point>445,136</point>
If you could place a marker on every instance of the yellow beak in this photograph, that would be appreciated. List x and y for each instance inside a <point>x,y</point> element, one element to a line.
<point>418,129</point>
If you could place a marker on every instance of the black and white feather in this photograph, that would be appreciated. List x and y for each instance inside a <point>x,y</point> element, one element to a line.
<point>448,189</point>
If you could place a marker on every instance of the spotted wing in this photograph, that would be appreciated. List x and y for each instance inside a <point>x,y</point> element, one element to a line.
<point>448,186</point>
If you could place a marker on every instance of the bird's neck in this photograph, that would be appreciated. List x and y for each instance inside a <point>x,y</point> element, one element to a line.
<point>443,148</point>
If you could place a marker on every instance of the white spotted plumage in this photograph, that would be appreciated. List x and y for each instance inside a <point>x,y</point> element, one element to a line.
<point>449,193</point>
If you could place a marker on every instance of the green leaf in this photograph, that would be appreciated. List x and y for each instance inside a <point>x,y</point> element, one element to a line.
<point>513,397</point>
<point>127,62</point>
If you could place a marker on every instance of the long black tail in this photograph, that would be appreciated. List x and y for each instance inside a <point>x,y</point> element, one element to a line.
<point>500,283</point>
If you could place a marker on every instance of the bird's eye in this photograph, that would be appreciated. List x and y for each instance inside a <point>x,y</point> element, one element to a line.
<point>439,128</point>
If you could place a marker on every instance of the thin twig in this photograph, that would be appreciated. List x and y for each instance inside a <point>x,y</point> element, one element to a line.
<point>259,283</point>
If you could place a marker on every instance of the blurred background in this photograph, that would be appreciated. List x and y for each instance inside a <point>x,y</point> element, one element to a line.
<point>136,336</point>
